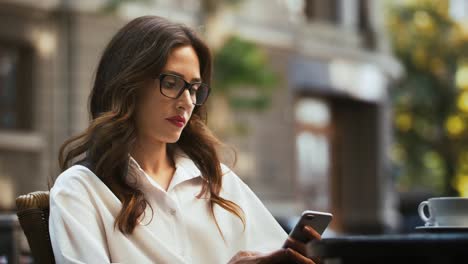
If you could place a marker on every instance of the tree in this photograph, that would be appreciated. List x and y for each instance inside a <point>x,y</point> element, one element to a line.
<point>431,102</point>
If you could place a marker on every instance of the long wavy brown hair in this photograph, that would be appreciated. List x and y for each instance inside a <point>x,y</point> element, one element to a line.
<point>135,55</point>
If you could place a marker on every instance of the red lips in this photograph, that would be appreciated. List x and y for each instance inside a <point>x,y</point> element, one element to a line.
<point>178,121</point>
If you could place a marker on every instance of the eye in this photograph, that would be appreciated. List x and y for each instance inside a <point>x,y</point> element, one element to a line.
<point>169,82</point>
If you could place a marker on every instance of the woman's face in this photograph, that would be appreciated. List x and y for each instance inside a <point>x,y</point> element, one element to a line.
<point>160,118</point>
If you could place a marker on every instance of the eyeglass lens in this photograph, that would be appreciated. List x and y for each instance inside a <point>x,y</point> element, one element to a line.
<point>173,86</point>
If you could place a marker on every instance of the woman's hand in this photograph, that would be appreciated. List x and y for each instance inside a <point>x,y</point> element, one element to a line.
<point>299,246</point>
<point>281,256</point>
<point>292,252</point>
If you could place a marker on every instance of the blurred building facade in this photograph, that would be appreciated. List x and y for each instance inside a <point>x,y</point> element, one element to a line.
<point>322,145</point>
<point>332,115</point>
<point>48,50</point>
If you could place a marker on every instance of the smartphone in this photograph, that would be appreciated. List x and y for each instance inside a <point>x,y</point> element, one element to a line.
<point>317,220</point>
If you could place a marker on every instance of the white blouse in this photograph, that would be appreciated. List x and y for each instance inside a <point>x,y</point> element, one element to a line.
<point>178,229</point>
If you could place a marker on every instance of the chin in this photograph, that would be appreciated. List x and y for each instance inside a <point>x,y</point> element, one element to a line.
<point>173,139</point>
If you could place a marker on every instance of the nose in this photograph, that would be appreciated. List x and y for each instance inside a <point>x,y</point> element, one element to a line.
<point>185,100</point>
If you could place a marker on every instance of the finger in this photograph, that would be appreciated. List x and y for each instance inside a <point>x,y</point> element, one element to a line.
<point>296,245</point>
<point>298,258</point>
<point>276,257</point>
<point>312,234</point>
<point>253,253</point>
<point>316,260</point>
<point>244,253</point>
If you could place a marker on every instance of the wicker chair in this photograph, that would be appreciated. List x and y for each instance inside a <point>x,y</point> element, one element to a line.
<point>33,216</point>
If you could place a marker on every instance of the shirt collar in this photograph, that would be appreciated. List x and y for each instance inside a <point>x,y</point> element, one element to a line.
<point>185,170</point>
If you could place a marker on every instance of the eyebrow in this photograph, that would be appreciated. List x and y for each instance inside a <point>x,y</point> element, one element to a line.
<point>183,77</point>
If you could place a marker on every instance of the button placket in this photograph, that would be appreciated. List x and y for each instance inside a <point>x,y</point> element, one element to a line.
<point>180,229</point>
<point>172,212</point>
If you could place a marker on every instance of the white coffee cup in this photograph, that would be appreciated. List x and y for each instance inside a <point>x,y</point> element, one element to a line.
<point>445,211</point>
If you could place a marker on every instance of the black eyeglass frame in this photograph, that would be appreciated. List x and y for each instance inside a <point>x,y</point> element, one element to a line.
<point>187,86</point>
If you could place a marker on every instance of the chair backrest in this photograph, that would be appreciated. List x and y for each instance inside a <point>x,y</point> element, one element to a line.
<point>33,216</point>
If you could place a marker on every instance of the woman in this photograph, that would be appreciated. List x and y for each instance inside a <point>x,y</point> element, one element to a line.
<point>143,183</point>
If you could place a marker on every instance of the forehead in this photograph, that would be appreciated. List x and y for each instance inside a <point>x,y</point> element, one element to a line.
<point>184,61</point>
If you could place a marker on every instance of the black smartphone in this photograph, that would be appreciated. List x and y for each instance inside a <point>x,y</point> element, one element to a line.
<point>317,220</point>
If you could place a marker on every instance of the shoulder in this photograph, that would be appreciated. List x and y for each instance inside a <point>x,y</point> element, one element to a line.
<point>76,179</point>
<point>232,184</point>
<point>229,176</point>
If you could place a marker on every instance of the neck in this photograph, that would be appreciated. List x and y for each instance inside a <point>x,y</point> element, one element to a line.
<point>152,157</point>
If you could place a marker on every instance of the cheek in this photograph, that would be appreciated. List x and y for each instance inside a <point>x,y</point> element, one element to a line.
<point>149,109</point>
<point>189,113</point>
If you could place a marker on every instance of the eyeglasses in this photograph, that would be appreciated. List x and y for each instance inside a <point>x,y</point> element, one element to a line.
<point>173,86</point>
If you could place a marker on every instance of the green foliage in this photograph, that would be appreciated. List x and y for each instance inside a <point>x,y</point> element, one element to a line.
<point>113,5</point>
<point>212,6</point>
<point>242,74</point>
<point>429,125</point>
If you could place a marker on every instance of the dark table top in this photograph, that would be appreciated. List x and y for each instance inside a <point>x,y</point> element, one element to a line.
<point>432,247</point>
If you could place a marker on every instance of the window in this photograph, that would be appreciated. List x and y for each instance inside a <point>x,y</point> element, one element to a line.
<point>15,87</point>
<point>319,10</point>
<point>313,150</point>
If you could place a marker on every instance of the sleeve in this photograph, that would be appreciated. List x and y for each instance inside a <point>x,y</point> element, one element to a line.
<point>75,228</point>
<point>262,232</point>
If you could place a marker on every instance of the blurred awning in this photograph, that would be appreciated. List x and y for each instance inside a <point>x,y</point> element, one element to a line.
<point>360,80</point>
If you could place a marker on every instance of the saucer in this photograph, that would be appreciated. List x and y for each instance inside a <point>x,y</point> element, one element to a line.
<point>451,229</point>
